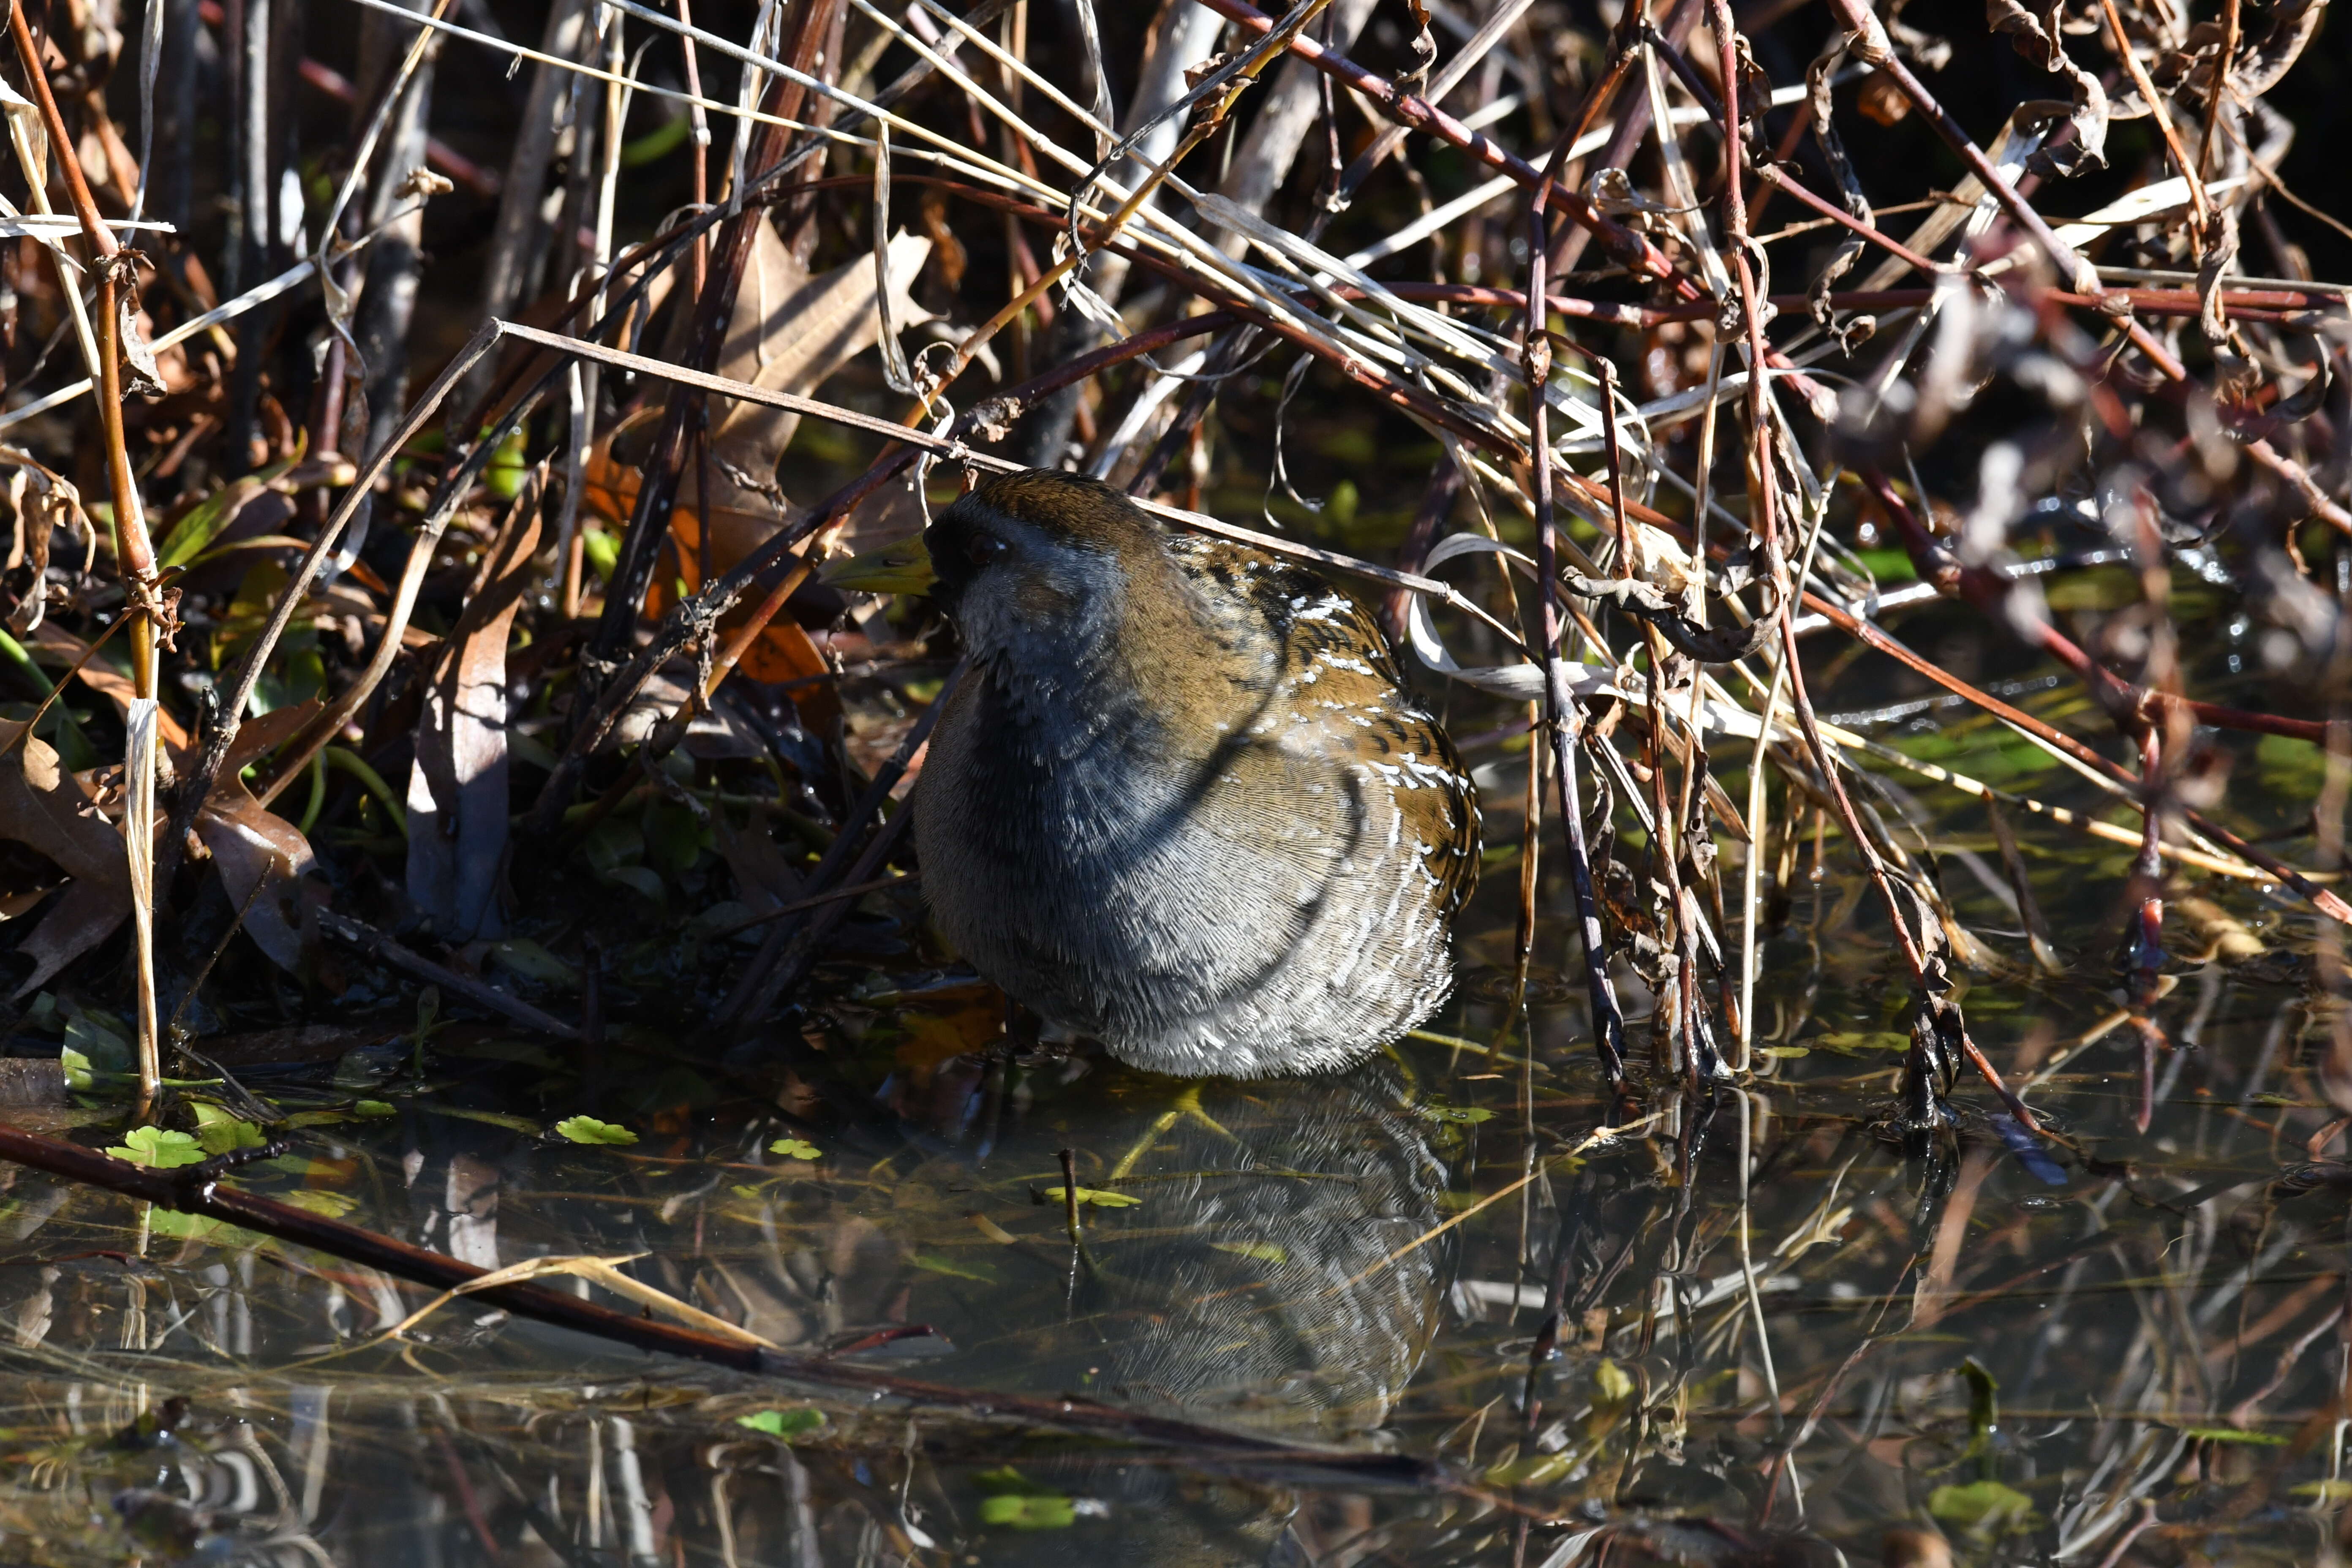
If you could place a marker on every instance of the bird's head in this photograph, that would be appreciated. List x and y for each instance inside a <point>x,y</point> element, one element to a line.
<point>1031,538</point>
<point>1037,566</point>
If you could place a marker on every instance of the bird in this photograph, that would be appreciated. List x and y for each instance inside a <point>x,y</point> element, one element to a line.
<point>1180,802</point>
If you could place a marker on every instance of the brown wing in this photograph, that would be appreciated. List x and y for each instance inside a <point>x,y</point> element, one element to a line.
<point>1333,655</point>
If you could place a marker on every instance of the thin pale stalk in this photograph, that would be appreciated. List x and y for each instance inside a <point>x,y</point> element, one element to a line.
<point>700,262</point>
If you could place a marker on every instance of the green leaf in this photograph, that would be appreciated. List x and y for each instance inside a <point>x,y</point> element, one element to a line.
<point>1096,1196</point>
<point>95,1038</point>
<point>533,961</point>
<point>658,142</point>
<point>205,520</point>
<point>1610,1385</point>
<point>796,1149</point>
<point>603,548</point>
<point>673,840</point>
<point>1533,1470</point>
<point>1889,565</point>
<point>1984,1408</point>
<point>373,1108</point>
<point>76,1068</point>
<point>1012,1512</point>
<point>219,1131</point>
<point>641,880</point>
<point>319,1201</point>
<point>2233,1434</point>
<point>1985,1507</point>
<point>1264,1252</point>
<point>504,476</point>
<point>785,1423</point>
<point>1465,1115</point>
<point>612,843</point>
<point>158,1147</point>
<point>588,1130</point>
<point>935,1263</point>
<point>182,1227</point>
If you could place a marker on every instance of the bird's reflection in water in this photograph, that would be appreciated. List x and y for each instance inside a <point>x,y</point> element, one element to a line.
<point>1274,1273</point>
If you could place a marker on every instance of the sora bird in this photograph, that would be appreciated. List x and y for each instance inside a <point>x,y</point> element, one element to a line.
<point>1181,802</point>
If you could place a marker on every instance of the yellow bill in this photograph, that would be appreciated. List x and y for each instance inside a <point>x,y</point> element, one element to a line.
<point>903,566</point>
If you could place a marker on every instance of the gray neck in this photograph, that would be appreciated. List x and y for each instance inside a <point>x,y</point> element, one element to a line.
<point>1065,688</point>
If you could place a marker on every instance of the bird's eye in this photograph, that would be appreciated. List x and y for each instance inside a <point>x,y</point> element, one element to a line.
<point>984,548</point>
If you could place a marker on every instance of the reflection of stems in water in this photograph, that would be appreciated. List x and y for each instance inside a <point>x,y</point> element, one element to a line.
<point>1188,1104</point>
<point>1253,1174</point>
<point>1600,1137</point>
<point>1748,1267</point>
<point>1078,1253</point>
<point>1194,1441</point>
<point>1070,1194</point>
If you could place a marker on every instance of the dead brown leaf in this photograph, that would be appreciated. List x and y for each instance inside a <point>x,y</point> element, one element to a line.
<point>110,682</point>
<point>263,860</point>
<point>44,502</point>
<point>265,732</point>
<point>763,878</point>
<point>457,785</point>
<point>791,332</point>
<point>44,806</point>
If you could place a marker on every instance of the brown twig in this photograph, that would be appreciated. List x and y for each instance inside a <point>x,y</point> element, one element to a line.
<point>1872,46</point>
<point>1629,249</point>
<point>2320,898</point>
<point>375,943</point>
<point>2200,208</point>
<point>786,950</point>
<point>2131,705</point>
<point>1562,719</point>
<point>1838,215</point>
<point>714,307</point>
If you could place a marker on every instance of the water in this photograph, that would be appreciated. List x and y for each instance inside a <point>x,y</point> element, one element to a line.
<point>2021,1350</point>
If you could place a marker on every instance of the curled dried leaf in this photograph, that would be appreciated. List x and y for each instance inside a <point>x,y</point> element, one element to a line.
<point>45,807</point>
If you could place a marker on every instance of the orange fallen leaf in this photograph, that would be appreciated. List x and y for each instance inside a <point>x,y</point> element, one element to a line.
<point>782,651</point>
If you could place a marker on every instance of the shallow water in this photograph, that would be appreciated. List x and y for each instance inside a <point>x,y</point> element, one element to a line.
<point>1485,1331</point>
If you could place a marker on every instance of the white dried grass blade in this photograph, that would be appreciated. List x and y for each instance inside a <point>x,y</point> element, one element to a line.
<point>138,850</point>
<point>2148,202</point>
<point>1439,217</point>
<point>1680,193</point>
